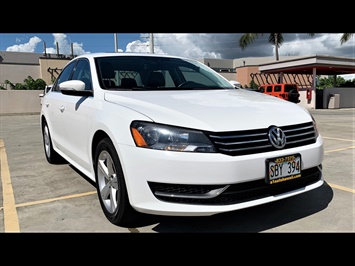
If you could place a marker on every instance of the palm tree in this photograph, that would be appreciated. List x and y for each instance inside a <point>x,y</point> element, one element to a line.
<point>274,38</point>
<point>345,37</point>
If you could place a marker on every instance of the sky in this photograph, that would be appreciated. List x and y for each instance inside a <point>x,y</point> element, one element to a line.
<point>191,45</point>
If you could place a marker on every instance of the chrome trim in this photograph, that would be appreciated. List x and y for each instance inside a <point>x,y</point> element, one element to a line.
<point>209,195</point>
<point>277,137</point>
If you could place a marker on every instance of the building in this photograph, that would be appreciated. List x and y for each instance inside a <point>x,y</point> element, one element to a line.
<point>17,66</point>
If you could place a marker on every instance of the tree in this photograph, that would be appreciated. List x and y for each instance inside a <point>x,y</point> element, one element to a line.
<point>31,84</point>
<point>275,39</point>
<point>328,82</point>
<point>253,85</point>
<point>345,37</point>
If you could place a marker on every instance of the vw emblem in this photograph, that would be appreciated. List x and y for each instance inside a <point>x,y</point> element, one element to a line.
<point>277,137</point>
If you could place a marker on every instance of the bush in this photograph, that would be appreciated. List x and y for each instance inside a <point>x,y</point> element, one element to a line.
<point>29,84</point>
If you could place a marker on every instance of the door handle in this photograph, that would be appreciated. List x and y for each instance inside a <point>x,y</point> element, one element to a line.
<point>62,108</point>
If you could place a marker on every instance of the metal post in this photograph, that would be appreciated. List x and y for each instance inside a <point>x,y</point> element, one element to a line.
<point>116,42</point>
<point>151,43</point>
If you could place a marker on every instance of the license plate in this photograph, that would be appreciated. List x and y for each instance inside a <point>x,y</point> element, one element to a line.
<point>281,169</point>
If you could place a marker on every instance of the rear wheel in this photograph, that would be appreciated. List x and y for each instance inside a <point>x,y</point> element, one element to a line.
<point>111,186</point>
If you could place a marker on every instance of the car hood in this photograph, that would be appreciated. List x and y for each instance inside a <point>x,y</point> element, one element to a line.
<point>213,110</point>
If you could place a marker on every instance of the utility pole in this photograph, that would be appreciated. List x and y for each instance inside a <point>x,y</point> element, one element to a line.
<point>44,49</point>
<point>116,42</point>
<point>151,43</point>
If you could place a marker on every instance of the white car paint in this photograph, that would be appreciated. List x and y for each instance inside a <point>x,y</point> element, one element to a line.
<point>74,120</point>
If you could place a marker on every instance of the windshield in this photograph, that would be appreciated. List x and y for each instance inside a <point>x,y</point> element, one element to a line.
<point>152,73</point>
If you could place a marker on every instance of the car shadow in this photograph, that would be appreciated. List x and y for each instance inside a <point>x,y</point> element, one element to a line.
<point>249,220</point>
<point>254,219</point>
<point>82,175</point>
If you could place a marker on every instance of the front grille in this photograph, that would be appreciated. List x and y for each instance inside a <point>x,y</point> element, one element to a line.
<point>234,193</point>
<point>245,142</point>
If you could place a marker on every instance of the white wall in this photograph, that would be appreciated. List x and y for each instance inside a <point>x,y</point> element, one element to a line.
<point>20,101</point>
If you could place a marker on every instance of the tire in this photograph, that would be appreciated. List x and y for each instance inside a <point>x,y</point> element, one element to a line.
<point>293,96</point>
<point>111,186</point>
<point>51,155</point>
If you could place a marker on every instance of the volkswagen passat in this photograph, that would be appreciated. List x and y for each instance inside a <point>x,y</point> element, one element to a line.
<point>166,135</point>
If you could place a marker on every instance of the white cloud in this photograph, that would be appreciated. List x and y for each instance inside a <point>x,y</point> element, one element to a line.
<point>210,45</point>
<point>64,46</point>
<point>181,44</point>
<point>30,46</point>
<point>137,46</point>
<point>226,46</point>
<point>321,44</point>
<point>348,76</point>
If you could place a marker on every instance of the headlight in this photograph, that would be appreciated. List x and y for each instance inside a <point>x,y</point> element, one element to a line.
<point>315,126</point>
<point>316,132</point>
<point>161,137</point>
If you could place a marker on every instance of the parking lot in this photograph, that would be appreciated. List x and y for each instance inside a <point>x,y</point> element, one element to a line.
<point>39,197</point>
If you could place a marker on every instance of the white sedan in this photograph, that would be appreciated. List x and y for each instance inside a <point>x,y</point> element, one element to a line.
<point>166,135</point>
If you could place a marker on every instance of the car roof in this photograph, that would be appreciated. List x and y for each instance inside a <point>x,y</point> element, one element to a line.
<point>273,84</point>
<point>105,54</point>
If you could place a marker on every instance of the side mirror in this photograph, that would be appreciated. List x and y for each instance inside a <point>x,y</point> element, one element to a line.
<point>75,88</point>
<point>236,84</point>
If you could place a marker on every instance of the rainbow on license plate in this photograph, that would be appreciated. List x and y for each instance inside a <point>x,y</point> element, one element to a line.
<point>283,168</point>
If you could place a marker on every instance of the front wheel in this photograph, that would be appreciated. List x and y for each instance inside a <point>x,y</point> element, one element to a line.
<point>51,155</point>
<point>111,185</point>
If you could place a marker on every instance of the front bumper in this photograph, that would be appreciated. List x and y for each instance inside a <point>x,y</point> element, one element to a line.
<point>196,184</point>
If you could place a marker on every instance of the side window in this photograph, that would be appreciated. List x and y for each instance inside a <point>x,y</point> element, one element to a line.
<point>82,72</point>
<point>64,75</point>
<point>277,88</point>
<point>288,88</point>
<point>168,79</point>
<point>194,75</point>
<point>269,89</point>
